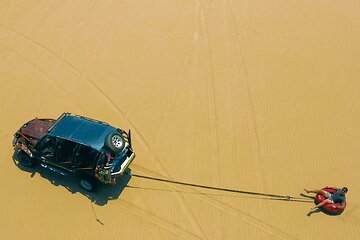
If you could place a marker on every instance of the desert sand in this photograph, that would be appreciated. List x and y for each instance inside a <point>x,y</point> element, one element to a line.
<point>258,96</point>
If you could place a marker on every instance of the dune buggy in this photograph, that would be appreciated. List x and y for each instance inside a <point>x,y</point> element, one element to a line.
<point>92,150</point>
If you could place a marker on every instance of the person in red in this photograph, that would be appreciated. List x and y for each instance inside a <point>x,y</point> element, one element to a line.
<point>337,197</point>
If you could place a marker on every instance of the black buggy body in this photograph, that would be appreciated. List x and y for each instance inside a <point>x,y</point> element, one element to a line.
<point>76,145</point>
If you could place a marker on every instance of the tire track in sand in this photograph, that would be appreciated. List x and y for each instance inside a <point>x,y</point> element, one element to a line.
<point>61,90</point>
<point>5,19</point>
<point>269,229</point>
<point>225,208</point>
<point>181,200</point>
<point>255,222</point>
<point>245,217</point>
<point>4,27</point>
<point>209,75</point>
<point>161,49</point>
<point>253,126</point>
<point>155,219</point>
<point>61,58</point>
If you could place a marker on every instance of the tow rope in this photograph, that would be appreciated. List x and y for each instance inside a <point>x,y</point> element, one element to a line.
<point>281,197</point>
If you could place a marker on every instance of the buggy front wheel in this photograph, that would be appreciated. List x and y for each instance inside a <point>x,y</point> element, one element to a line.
<point>26,160</point>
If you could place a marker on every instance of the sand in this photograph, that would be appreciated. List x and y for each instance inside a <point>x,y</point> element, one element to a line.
<point>259,96</point>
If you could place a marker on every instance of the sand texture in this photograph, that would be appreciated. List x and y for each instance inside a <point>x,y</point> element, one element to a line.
<point>257,96</point>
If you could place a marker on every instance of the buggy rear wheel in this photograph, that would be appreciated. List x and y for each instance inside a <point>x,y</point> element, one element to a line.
<point>87,183</point>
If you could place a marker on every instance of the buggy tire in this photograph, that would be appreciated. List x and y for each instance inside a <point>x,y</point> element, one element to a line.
<point>114,142</point>
<point>87,182</point>
<point>26,160</point>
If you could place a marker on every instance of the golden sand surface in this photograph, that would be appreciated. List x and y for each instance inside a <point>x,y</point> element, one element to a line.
<point>258,96</point>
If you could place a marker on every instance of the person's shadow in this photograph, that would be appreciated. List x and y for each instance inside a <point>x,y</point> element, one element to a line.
<point>101,196</point>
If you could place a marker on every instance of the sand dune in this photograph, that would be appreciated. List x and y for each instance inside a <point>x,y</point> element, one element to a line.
<point>257,96</point>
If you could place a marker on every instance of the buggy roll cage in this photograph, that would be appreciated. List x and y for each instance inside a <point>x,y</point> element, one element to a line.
<point>126,135</point>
